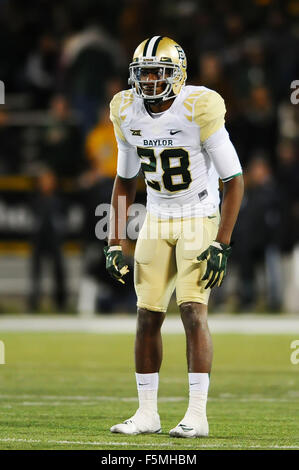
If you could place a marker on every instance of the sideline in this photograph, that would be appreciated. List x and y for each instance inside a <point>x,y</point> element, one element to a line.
<point>107,324</point>
<point>147,444</point>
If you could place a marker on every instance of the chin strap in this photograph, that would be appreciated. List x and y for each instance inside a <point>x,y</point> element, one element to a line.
<point>152,100</point>
<point>159,100</point>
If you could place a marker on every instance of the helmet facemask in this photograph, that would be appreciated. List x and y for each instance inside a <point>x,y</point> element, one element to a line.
<point>169,74</point>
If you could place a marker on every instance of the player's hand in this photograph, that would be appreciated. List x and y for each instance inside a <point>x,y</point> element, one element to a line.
<point>115,263</point>
<point>216,256</point>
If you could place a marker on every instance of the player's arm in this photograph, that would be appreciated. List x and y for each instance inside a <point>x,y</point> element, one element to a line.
<point>123,195</point>
<point>225,159</point>
<point>217,144</point>
<point>233,191</point>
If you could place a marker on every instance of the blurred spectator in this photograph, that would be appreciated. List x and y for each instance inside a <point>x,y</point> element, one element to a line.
<point>212,76</point>
<point>40,70</point>
<point>253,70</point>
<point>101,148</point>
<point>288,171</point>
<point>258,128</point>
<point>62,143</point>
<point>88,64</point>
<point>10,157</point>
<point>258,237</point>
<point>136,21</point>
<point>207,37</point>
<point>281,43</point>
<point>47,240</point>
<point>288,116</point>
<point>232,40</point>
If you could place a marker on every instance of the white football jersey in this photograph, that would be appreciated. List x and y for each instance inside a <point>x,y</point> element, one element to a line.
<point>175,150</point>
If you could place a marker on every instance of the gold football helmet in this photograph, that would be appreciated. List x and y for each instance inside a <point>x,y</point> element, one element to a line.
<point>168,60</point>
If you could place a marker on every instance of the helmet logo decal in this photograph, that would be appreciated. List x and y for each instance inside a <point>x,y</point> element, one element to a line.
<point>182,56</point>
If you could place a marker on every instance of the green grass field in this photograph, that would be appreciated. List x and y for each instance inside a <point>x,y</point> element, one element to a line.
<point>65,390</point>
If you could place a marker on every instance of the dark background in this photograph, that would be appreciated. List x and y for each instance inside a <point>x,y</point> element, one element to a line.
<point>61,63</point>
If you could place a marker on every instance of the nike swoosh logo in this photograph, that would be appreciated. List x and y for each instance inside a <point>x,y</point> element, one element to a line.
<point>185,428</point>
<point>196,383</point>
<point>211,216</point>
<point>143,384</point>
<point>172,132</point>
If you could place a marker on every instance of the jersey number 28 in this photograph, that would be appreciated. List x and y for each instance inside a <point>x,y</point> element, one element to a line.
<point>168,170</point>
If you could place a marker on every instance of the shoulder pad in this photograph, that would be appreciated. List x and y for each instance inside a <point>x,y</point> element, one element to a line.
<point>208,107</point>
<point>118,105</point>
<point>192,96</point>
<point>120,102</point>
<point>115,105</point>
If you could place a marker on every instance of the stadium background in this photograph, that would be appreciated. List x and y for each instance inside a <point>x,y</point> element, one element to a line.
<point>61,62</point>
<point>67,330</point>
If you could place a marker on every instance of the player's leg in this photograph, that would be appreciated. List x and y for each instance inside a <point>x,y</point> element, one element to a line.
<point>199,359</point>
<point>148,358</point>
<point>199,345</point>
<point>148,341</point>
<point>192,298</point>
<point>155,273</point>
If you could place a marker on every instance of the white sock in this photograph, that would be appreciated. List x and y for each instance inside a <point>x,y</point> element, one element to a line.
<point>198,396</point>
<point>147,386</point>
<point>199,381</point>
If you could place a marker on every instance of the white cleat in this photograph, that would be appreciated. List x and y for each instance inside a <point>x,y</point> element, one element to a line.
<point>141,423</point>
<point>184,429</point>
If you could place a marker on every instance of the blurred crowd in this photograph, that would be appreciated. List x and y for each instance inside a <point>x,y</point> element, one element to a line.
<point>61,63</point>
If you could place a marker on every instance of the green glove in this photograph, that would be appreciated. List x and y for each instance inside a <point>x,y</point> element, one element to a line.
<point>115,263</point>
<point>216,256</point>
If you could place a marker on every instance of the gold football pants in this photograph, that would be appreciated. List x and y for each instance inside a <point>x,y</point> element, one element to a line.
<point>165,259</point>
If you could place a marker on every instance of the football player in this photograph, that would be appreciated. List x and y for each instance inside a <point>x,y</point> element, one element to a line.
<point>176,135</point>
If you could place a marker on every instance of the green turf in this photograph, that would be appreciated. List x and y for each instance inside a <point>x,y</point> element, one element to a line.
<point>58,387</point>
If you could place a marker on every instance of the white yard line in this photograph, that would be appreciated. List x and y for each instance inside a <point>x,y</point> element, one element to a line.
<point>56,400</point>
<point>222,323</point>
<point>148,444</point>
